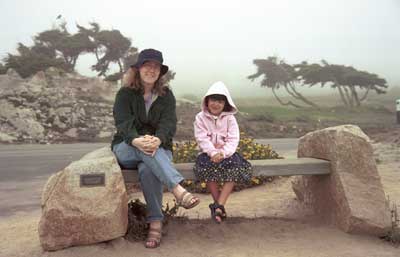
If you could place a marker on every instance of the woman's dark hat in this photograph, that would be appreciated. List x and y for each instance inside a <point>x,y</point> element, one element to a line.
<point>151,55</point>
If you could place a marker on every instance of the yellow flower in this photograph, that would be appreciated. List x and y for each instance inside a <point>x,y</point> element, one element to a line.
<point>203,185</point>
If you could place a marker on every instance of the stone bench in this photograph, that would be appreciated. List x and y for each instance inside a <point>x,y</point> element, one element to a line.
<point>270,168</point>
<point>87,201</point>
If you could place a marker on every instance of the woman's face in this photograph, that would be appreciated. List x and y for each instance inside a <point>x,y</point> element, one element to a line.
<point>215,107</point>
<point>149,72</point>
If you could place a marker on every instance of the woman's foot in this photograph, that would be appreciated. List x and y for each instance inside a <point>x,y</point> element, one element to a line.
<point>153,239</point>
<point>187,200</point>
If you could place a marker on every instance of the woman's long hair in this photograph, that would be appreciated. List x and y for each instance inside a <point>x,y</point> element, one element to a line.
<point>131,79</point>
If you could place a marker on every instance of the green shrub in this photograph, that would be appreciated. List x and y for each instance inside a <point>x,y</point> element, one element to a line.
<point>248,148</point>
<point>137,224</point>
<point>185,152</point>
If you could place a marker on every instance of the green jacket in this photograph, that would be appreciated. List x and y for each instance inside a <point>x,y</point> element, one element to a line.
<point>131,120</point>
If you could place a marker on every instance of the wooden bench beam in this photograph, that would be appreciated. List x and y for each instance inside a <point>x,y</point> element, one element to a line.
<point>274,167</point>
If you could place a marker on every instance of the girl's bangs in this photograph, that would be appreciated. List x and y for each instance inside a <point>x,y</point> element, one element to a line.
<point>217,97</point>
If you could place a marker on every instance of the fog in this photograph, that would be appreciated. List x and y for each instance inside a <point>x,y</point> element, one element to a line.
<point>205,41</point>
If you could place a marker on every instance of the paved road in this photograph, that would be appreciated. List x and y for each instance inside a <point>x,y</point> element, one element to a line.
<point>24,169</point>
<point>25,162</point>
<point>286,147</point>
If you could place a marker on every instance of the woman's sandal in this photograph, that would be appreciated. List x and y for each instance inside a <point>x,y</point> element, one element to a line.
<point>153,239</point>
<point>186,200</point>
<point>217,210</point>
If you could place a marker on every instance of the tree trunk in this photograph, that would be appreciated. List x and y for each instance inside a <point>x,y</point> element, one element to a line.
<point>355,95</point>
<point>121,69</point>
<point>96,54</point>
<point>365,95</point>
<point>73,64</point>
<point>282,103</point>
<point>299,96</point>
<point>348,97</point>
<point>342,96</point>
<point>70,63</point>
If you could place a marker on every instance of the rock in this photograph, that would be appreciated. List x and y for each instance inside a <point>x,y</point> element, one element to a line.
<point>352,196</point>
<point>72,133</point>
<point>64,115</point>
<point>16,101</point>
<point>4,138</point>
<point>75,119</point>
<point>8,83</point>
<point>18,90</point>
<point>105,134</point>
<point>12,73</point>
<point>79,215</point>
<point>299,188</point>
<point>22,120</point>
<point>53,72</point>
<point>50,103</point>
<point>82,112</point>
<point>59,124</point>
<point>26,123</point>
<point>37,82</point>
<point>51,112</point>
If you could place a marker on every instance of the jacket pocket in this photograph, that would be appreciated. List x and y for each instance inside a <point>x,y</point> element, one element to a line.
<point>221,139</point>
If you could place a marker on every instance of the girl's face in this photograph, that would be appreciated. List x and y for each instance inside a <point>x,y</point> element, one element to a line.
<point>149,72</point>
<point>215,107</point>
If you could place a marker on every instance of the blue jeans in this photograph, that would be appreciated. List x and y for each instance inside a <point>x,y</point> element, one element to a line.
<point>154,172</point>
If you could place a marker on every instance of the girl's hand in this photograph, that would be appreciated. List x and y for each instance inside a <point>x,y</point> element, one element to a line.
<point>218,157</point>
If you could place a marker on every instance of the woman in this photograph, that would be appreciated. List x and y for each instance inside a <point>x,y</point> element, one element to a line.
<point>145,118</point>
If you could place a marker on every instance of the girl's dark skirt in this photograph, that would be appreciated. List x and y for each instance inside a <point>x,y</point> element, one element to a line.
<point>232,169</point>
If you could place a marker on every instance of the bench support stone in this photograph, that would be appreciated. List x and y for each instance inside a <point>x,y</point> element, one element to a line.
<point>352,196</point>
<point>79,214</point>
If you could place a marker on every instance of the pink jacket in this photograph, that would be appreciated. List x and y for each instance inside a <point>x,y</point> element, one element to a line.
<point>217,134</point>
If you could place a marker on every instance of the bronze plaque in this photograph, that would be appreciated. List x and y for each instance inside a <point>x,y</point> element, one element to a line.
<point>93,180</point>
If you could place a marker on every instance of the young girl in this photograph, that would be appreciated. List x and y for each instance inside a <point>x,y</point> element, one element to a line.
<point>217,134</point>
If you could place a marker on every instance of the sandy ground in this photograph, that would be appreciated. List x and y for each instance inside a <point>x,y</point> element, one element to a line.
<point>264,221</point>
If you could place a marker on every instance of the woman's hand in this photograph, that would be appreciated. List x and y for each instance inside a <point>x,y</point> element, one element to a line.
<point>152,144</point>
<point>218,157</point>
<point>147,144</point>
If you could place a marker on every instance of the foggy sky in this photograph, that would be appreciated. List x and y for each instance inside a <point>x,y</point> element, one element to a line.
<point>209,40</point>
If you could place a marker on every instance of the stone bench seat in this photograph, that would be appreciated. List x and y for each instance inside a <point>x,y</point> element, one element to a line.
<point>270,168</point>
<point>87,201</point>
